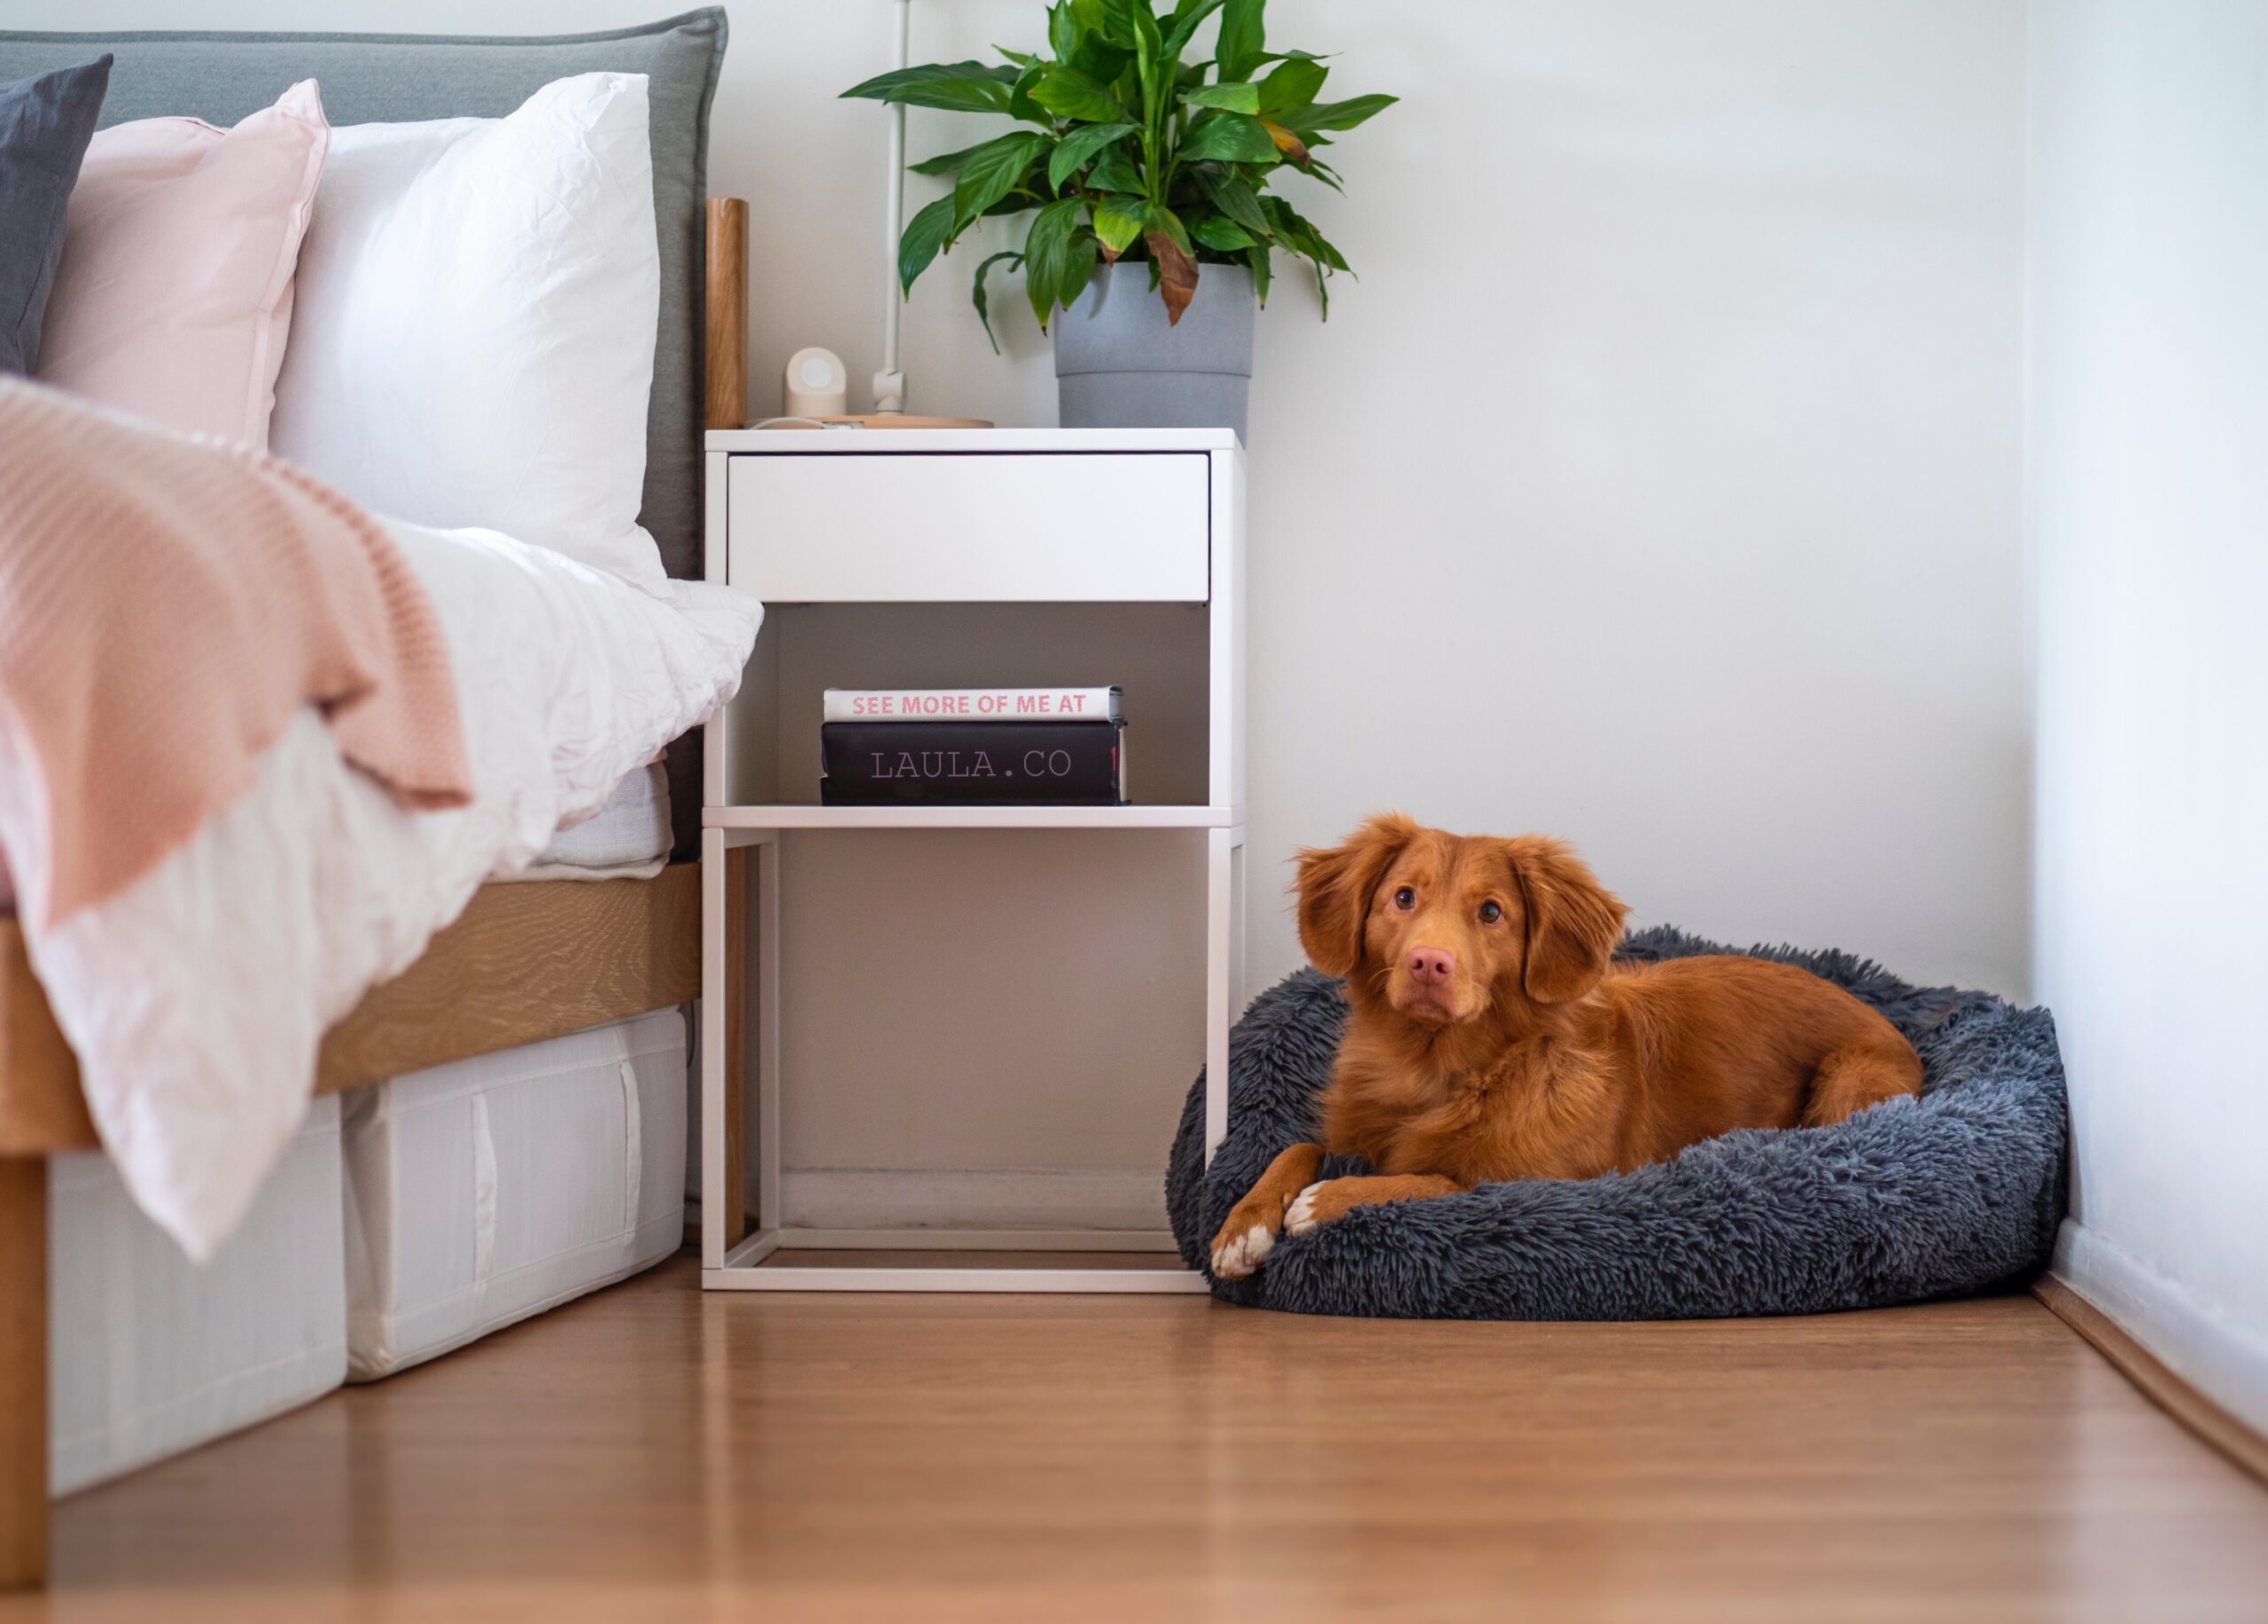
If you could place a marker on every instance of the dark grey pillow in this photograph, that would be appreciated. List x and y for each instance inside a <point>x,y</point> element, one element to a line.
<point>45,123</point>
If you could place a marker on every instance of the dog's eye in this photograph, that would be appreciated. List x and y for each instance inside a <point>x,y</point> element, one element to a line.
<point>1490,913</point>
<point>1405,898</point>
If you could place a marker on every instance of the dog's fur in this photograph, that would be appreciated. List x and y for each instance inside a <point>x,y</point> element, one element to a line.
<point>1490,1034</point>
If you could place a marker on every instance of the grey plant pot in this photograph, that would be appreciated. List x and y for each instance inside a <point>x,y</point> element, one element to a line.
<point>1119,364</point>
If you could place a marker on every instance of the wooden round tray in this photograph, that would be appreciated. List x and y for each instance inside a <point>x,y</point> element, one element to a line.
<point>873,420</point>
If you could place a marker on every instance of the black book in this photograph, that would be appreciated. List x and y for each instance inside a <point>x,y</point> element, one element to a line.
<point>972,763</point>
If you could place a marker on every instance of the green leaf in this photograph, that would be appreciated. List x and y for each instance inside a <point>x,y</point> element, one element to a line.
<point>1291,84</point>
<point>946,163</point>
<point>1303,238</point>
<point>1186,16</point>
<point>1070,94</point>
<point>1230,137</point>
<point>1020,104</point>
<point>1149,52</point>
<point>1106,18</point>
<point>1022,59</point>
<point>965,87</point>
<point>1325,252</point>
<point>1234,197</point>
<point>1063,31</point>
<point>1242,38</point>
<point>1101,60</point>
<point>1045,253</point>
<point>1078,268</point>
<point>1073,151</point>
<point>1119,220</point>
<point>1337,115</point>
<point>1114,171</point>
<point>1236,97</point>
<point>925,234</point>
<point>1300,236</point>
<point>1257,257</point>
<point>990,172</point>
<point>1220,233</point>
<point>976,294</point>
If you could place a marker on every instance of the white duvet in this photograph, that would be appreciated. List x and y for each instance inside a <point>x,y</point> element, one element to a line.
<point>196,998</point>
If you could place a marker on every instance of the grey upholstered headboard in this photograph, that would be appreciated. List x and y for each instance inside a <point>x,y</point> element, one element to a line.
<point>377,78</point>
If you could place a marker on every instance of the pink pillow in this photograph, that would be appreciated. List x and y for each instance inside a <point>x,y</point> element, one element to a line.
<point>174,298</point>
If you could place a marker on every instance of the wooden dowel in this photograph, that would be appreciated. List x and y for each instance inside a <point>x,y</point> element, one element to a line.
<point>727,328</point>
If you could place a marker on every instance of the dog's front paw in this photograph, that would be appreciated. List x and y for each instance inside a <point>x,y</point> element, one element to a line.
<point>1238,1249</point>
<point>1309,1208</point>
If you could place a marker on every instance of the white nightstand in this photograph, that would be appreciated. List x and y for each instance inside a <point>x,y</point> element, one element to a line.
<point>938,525</point>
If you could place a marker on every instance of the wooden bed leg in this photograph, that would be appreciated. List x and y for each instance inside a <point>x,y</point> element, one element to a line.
<point>734,1194</point>
<point>23,1371</point>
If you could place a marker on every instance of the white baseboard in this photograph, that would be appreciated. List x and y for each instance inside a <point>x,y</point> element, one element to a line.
<point>2223,1361</point>
<point>937,1197</point>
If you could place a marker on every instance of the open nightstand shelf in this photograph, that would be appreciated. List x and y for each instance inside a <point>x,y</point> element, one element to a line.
<point>904,560</point>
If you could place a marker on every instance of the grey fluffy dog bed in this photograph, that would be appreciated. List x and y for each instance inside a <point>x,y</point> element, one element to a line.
<point>1953,1192</point>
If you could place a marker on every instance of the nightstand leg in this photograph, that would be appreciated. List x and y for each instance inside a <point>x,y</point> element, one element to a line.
<point>1220,909</point>
<point>726,1041</point>
<point>767,1033</point>
<point>717,1059</point>
<point>735,1184</point>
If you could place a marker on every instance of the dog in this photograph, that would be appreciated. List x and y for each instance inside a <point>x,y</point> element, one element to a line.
<point>1490,1034</point>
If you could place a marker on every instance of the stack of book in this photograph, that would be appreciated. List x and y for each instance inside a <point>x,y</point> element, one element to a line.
<point>973,747</point>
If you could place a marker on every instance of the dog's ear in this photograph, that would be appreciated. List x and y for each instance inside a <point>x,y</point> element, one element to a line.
<point>1335,885</point>
<point>1573,920</point>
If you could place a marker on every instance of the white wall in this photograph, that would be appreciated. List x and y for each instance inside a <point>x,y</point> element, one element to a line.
<point>1658,484</point>
<point>1675,424</point>
<point>2150,554</point>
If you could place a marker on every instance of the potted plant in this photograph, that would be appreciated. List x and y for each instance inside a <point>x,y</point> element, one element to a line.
<point>1154,227</point>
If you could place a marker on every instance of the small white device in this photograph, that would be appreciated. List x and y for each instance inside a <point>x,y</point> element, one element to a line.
<point>817,384</point>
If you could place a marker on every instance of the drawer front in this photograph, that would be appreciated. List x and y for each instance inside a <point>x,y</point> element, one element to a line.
<point>859,527</point>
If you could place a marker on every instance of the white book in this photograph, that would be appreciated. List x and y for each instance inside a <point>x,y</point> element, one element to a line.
<point>973,705</point>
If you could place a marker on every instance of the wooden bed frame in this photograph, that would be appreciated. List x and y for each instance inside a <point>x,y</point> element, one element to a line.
<point>525,961</point>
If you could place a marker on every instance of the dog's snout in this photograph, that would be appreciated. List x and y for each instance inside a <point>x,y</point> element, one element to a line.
<point>1431,965</point>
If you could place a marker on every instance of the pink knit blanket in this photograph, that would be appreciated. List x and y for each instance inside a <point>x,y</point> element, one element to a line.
<point>166,604</point>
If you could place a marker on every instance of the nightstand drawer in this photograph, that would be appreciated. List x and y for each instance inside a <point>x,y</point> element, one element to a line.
<point>875,527</point>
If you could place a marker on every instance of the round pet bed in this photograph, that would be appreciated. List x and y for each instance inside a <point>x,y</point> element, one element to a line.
<point>1953,1192</point>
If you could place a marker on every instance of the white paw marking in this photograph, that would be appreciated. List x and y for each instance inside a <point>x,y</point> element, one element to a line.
<point>1234,1260</point>
<point>1300,1218</point>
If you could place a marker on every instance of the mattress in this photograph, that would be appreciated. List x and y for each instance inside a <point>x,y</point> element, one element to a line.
<point>628,838</point>
<point>150,1355</point>
<point>480,1193</point>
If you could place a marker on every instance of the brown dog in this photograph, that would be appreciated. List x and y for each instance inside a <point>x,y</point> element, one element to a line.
<point>1490,1037</point>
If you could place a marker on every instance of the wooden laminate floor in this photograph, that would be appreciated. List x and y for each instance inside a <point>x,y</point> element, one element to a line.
<point>655,1452</point>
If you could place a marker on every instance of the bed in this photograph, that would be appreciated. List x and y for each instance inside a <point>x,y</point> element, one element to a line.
<point>523,961</point>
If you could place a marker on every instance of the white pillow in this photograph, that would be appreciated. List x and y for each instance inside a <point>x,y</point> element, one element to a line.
<point>474,339</point>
